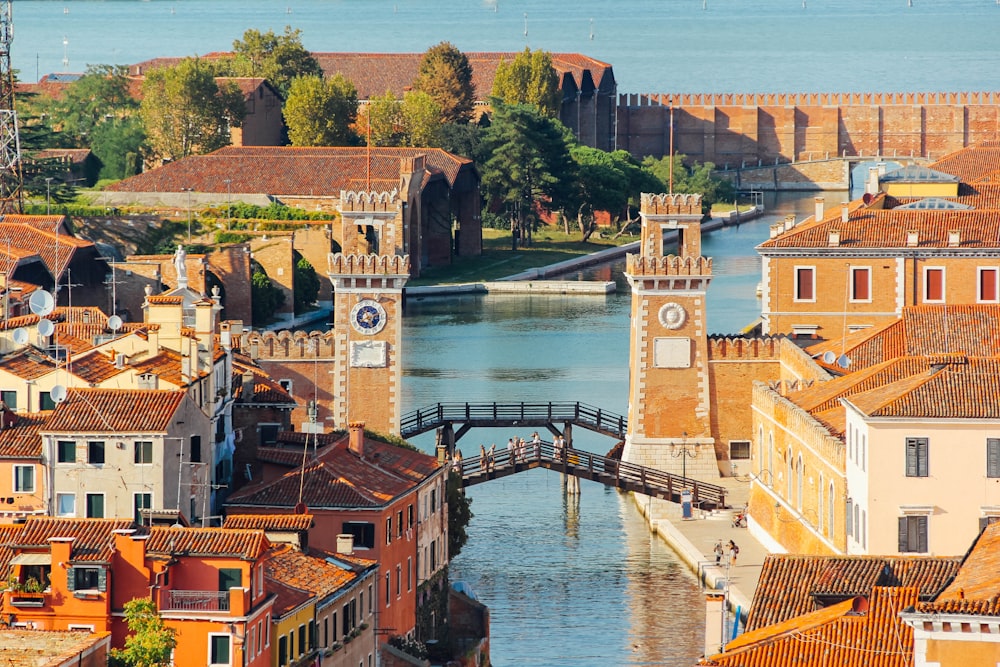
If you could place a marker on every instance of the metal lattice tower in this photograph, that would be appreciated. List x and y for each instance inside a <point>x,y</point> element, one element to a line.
<point>11,179</point>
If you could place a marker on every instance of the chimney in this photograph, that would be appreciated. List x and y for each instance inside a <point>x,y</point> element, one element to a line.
<point>954,238</point>
<point>357,441</point>
<point>834,240</point>
<point>153,336</point>
<point>248,387</point>
<point>345,544</point>
<point>776,229</point>
<point>872,185</point>
<point>912,238</point>
<point>226,336</point>
<point>845,212</point>
<point>789,222</point>
<point>819,203</point>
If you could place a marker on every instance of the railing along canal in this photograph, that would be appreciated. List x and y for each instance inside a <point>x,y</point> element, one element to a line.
<point>507,414</point>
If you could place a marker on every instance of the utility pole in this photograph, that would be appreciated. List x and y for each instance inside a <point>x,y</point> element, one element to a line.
<point>11,177</point>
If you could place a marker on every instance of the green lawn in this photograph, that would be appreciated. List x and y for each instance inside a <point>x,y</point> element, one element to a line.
<point>549,246</point>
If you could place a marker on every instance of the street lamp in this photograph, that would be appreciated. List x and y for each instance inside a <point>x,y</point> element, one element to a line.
<point>684,453</point>
<point>48,197</point>
<point>188,190</point>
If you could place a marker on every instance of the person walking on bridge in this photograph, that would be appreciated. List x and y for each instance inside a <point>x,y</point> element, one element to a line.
<point>491,457</point>
<point>510,451</point>
<point>482,458</point>
<point>537,442</point>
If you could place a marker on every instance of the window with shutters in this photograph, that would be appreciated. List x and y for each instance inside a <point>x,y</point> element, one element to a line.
<point>805,283</point>
<point>933,284</point>
<point>282,651</point>
<point>95,505</point>
<point>988,288</point>
<point>363,532</point>
<point>24,479</point>
<point>993,457</point>
<point>66,451</point>
<point>849,517</point>
<point>861,284</point>
<point>87,579</point>
<point>230,577</point>
<point>219,649</point>
<point>916,457</point>
<point>913,534</point>
<point>143,452</point>
<point>95,452</point>
<point>9,398</point>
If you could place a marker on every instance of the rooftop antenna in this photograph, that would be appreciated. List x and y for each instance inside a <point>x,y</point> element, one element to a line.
<point>526,24</point>
<point>368,153</point>
<point>591,29</point>
<point>12,180</point>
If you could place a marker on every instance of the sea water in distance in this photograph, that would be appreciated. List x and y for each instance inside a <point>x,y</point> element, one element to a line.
<point>653,45</point>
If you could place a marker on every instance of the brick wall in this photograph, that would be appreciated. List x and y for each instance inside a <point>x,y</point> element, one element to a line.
<point>231,265</point>
<point>273,251</point>
<point>736,129</point>
<point>307,360</point>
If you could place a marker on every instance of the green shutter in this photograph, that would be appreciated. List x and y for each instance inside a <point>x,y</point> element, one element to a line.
<point>71,579</point>
<point>102,579</point>
<point>903,542</point>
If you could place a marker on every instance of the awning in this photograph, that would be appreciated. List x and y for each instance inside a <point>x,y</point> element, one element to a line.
<point>32,559</point>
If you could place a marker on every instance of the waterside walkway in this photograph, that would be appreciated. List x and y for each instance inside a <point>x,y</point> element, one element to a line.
<point>694,541</point>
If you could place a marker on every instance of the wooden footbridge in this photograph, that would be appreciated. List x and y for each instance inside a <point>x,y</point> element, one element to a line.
<point>492,415</point>
<point>585,465</point>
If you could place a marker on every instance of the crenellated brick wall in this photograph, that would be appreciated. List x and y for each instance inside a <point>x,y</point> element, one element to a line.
<point>746,129</point>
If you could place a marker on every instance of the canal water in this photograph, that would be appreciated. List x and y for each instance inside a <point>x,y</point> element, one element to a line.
<point>569,581</point>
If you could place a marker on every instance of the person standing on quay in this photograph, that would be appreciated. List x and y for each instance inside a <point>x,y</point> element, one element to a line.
<point>734,551</point>
<point>718,552</point>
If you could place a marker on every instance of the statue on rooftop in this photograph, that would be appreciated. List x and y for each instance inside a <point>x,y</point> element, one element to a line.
<point>180,264</point>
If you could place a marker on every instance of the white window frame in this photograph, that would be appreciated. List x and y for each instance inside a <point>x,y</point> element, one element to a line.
<point>852,271</point>
<point>979,284</point>
<point>17,476</point>
<point>58,505</point>
<point>80,628</point>
<point>795,286</point>
<point>104,504</point>
<point>944,285</point>
<point>208,652</point>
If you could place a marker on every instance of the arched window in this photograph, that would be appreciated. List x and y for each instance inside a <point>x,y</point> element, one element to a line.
<point>799,477</point>
<point>820,505</point>
<point>830,513</point>
<point>789,472</point>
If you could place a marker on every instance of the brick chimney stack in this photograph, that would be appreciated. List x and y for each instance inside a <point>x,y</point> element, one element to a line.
<point>357,437</point>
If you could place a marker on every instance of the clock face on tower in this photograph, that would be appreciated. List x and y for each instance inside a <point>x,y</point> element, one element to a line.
<point>368,317</point>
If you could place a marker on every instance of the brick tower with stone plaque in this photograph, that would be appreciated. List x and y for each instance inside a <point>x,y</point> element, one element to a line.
<point>368,278</point>
<point>669,410</point>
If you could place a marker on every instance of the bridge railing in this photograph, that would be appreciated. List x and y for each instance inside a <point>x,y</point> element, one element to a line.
<point>576,461</point>
<point>430,417</point>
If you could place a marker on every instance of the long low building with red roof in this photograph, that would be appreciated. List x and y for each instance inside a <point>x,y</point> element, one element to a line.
<point>441,216</point>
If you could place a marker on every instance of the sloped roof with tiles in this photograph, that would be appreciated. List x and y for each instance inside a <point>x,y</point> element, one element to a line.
<point>7,533</point>
<point>306,572</point>
<point>340,478</point>
<point>286,598</point>
<point>791,585</point>
<point>270,522</point>
<point>976,587</point>
<point>860,632</point>
<point>56,250</point>
<point>42,648</point>
<point>167,366</point>
<point>290,458</point>
<point>265,389</point>
<point>20,440</point>
<point>289,171</point>
<point>869,230</point>
<point>95,367</point>
<point>973,162</point>
<point>206,542</point>
<point>115,410</point>
<point>92,538</point>
<point>971,329</point>
<point>28,364</point>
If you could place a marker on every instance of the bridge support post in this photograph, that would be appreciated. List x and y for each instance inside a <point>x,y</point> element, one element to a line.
<point>445,440</point>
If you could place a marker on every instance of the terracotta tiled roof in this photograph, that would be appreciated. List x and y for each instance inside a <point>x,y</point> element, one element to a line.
<point>115,410</point>
<point>291,458</point>
<point>976,587</point>
<point>92,538</point>
<point>166,365</point>
<point>306,572</point>
<point>856,633</point>
<point>29,235</point>
<point>972,162</point>
<point>206,542</point>
<point>792,585</point>
<point>28,364</point>
<point>284,170</point>
<point>296,439</point>
<point>7,534</point>
<point>76,155</point>
<point>21,440</point>
<point>340,478</point>
<point>868,230</point>
<point>94,367</point>
<point>32,648</point>
<point>270,522</point>
<point>286,598</point>
<point>265,389</point>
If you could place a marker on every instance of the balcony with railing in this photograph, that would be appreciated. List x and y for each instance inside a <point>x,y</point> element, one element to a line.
<point>194,601</point>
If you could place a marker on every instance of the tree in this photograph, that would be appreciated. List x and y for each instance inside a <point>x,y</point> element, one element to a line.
<point>459,514</point>
<point>529,79</point>
<point>278,58</point>
<point>320,112</point>
<point>696,179</point>
<point>529,163</point>
<point>264,296</point>
<point>463,139</point>
<point>114,142</point>
<point>446,75</point>
<point>306,285</point>
<point>150,643</point>
<point>601,185</point>
<point>382,120</point>
<point>98,97</point>
<point>421,119</point>
<point>186,112</point>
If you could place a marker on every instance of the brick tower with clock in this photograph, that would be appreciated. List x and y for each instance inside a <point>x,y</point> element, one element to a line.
<point>368,277</point>
<point>669,409</point>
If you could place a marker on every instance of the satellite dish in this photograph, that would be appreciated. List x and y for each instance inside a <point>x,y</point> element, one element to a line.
<point>867,198</point>
<point>41,303</point>
<point>21,335</point>
<point>45,327</point>
<point>58,393</point>
<point>114,323</point>
<point>829,357</point>
<point>844,361</point>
